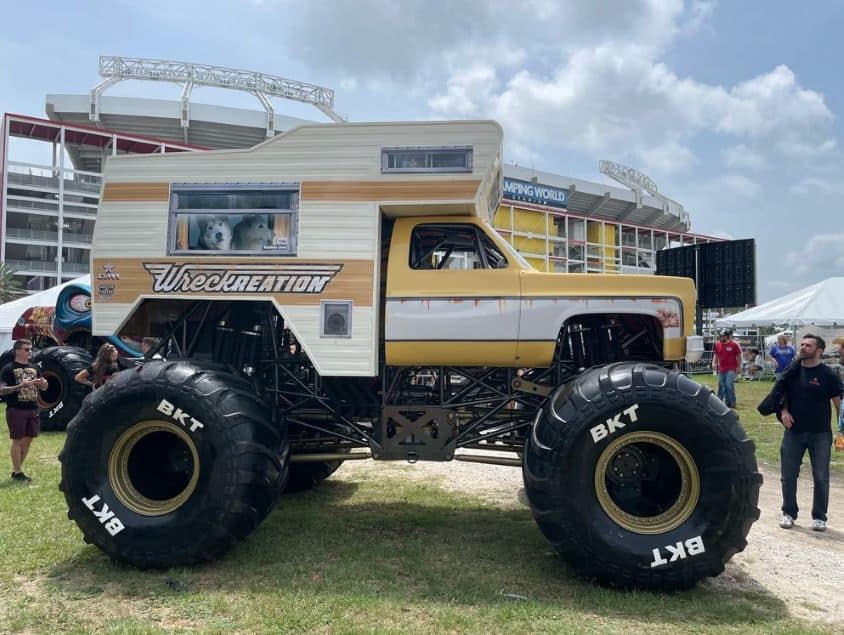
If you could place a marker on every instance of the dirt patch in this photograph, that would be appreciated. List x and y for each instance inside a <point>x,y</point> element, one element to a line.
<point>799,566</point>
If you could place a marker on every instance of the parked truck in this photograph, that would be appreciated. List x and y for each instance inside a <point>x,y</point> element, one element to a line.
<point>420,335</point>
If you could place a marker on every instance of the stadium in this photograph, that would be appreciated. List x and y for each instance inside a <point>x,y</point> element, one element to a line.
<point>48,206</point>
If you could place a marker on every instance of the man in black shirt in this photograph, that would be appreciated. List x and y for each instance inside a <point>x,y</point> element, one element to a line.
<point>20,382</point>
<point>806,416</point>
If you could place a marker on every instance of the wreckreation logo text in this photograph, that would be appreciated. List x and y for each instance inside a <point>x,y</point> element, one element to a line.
<point>229,278</point>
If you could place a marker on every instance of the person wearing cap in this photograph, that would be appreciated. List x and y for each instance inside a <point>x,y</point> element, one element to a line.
<point>782,355</point>
<point>727,361</point>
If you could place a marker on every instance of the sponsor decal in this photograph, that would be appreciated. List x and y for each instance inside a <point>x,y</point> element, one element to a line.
<point>516,190</point>
<point>678,551</point>
<point>233,278</point>
<point>109,272</point>
<point>113,525</point>
<point>105,287</point>
<point>603,430</point>
<point>179,415</point>
<point>106,291</point>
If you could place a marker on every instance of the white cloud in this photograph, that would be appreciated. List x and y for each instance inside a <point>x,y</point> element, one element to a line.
<point>817,185</point>
<point>741,157</point>
<point>349,83</point>
<point>667,158</point>
<point>413,38</point>
<point>580,74</point>
<point>699,12</point>
<point>468,91</point>
<point>821,256</point>
<point>741,185</point>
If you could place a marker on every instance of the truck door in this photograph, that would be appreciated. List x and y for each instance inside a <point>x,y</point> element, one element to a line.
<point>452,295</point>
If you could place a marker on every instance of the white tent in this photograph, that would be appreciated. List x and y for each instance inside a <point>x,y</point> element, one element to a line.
<point>11,311</point>
<point>821,304</point>
<point>817,309</point>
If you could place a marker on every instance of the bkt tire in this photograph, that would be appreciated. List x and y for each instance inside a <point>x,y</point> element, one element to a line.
<point>6,357</point>
<point>64,396</point>
<point>170,464</point>
<point>641,478</point>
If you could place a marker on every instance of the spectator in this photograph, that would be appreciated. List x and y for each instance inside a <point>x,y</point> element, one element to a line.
<point>806,418</point>
<point>746,359</point>
<point>757,363</point>
<point>101,370</point>
<point>782,355</point>
<point>727,360</point>
<point>21,381</point>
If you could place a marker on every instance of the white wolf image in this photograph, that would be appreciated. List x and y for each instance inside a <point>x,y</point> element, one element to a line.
<point>214,233</point>
<point>252,233</point>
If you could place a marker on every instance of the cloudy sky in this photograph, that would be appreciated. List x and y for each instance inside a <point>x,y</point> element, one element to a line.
<point>733,108</point>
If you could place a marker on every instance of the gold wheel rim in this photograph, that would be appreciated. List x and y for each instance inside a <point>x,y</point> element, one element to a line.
<point>121,479</point>
<point>685,501</point>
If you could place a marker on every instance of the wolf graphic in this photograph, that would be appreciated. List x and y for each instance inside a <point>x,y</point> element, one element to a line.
<point>214,233</point>
<point>252,233</point>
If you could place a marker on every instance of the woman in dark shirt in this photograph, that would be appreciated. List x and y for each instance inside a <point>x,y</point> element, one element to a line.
<point>101,370</point>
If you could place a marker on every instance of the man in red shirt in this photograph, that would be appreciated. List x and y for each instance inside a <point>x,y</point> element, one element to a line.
<point>727,361</point>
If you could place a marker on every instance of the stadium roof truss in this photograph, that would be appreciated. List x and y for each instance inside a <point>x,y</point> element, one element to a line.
<point>116,69</point>
<point>638,182</point>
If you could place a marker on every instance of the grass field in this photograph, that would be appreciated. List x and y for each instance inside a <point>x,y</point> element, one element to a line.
<point>378,552</point>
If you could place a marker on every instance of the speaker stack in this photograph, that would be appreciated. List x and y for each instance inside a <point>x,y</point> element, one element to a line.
<point>724,272</point>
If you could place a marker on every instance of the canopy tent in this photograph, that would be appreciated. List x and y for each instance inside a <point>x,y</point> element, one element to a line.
<point>11,311</point>
<point>821,304</point>
<point>817,309</point>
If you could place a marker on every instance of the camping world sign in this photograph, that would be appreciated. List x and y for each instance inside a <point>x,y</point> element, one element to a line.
<point>516,190</point>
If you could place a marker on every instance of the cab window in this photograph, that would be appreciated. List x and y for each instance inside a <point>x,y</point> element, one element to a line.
<point>453,247</point>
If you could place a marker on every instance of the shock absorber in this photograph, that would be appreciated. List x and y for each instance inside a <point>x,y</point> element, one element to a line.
<point>610,342</point>
<point>579,345</point>
<point>224,343</point>
<point>248,346</point>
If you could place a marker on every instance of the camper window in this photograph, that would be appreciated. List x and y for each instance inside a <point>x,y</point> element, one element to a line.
<point>233,219</point>
<point>421,159</point>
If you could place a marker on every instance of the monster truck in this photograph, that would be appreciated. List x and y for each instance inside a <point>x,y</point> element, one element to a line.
<point>61,335</point>
<point>421,335</point>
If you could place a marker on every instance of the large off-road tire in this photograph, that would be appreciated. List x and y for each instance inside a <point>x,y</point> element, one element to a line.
<point>306,475</point>
<point>6,357</point>
<point>64,396</point>
<point>170,464</point>
<point>641,478</point>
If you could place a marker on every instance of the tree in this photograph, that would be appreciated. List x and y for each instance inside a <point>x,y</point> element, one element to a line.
<point>10,286</point>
